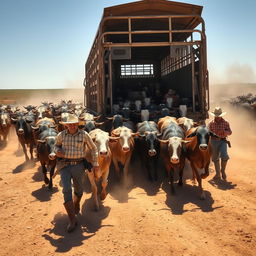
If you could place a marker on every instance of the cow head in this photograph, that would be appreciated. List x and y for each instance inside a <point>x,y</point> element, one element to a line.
<point>203,135</point>
<point>124,136</point>
<point>174,145</point>
<point>101,139</point>
<point>49,143</point>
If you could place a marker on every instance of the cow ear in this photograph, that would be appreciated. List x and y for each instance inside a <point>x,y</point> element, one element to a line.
<point>213,135</point>
<point>113,139</point>
<point>193,134</point>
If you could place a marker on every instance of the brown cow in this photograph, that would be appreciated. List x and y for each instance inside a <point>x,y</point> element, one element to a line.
<point>101,140</point>
<point>122,145</point>
<point>198,152</point>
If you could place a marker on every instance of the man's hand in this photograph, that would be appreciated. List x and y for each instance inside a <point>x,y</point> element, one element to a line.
<point>60,153</point>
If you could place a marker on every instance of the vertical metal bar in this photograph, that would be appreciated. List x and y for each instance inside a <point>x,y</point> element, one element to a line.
<point>193,78</point>
<point>130,29</point>
<point>110,81</point>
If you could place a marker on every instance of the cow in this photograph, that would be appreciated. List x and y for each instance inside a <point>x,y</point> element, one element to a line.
<point>41,125</point>
<point>198,152</point>
<point>186,123</point>
<point>101,140</point>
<point>46,154</point>
<point>5,125</point>
<point>24,133</point>
<point>122,147</point>
<point>149,147</point>
<point>172,148</point>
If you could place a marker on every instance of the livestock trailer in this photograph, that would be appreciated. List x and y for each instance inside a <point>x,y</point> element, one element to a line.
<point>143,49</point>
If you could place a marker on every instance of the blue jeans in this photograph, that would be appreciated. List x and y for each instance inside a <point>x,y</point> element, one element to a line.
<point>219,150</point>
<point>69,172</point>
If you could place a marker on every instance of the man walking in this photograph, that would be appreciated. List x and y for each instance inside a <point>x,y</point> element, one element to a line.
<point>70,149</point>
<point>220,127</point>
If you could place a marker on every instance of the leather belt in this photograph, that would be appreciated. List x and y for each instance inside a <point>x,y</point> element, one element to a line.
<point>71,161</point>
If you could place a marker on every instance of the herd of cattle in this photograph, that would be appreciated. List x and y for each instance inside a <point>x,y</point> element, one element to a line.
<point>168,139</point>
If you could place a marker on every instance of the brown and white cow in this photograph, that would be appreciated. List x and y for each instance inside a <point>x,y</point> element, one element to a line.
<point>171,148</point>
<point>101,140</point>
<point>122,146</point>
<point>5,125</point>
<point>198,152</point>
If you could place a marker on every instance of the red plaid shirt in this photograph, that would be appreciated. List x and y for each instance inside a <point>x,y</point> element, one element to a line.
<point>220,127</point>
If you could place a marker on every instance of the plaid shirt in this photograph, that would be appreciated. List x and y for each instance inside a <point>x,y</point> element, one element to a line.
<point>74,145</point>
<point>220,128</point>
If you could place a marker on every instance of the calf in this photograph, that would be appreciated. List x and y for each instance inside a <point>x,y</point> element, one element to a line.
<point>148,147</point>
<point>101,140</point>
<point>46,155</point>
<point>198,152</point>
<point>171,146</point>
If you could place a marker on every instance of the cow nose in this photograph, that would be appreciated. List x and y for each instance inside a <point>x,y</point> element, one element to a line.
<point>20,131</point>
<point>103,153</point>
<point>203,147</point>
<point>52,156</point>
<point>174,160</point>
<point>152,152</point>
<point>126,149</point>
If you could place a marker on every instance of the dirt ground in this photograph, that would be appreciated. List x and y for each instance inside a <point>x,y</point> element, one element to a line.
<point>142,220</point>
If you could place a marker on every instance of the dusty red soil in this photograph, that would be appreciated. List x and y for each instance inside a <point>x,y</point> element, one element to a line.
<point>143,220</point>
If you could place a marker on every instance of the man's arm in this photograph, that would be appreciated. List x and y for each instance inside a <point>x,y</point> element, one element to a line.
<point>58,146</point>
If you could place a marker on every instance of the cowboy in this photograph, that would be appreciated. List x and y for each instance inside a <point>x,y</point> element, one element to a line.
<point>221,128</point>
<point>70,149</point>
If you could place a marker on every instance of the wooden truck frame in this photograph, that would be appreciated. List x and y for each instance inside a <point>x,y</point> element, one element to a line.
<point>153,46</point>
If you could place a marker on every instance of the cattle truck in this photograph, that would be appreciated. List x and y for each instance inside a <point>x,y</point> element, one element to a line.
<point>143,49</point>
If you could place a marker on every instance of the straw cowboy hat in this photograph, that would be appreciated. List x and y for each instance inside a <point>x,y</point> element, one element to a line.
<point>218,112</point>
<point>71,119</point>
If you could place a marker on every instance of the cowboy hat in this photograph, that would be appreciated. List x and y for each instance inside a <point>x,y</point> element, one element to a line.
<point>218,112</point>
<point>71,119</point>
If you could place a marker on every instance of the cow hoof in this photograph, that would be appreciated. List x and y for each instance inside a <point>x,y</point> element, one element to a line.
<point>202,196</point>
<point>46,181</point>
<point>103,196</point>
<point>96,208</point>
<point>204,175</point>
<point>180,183</point>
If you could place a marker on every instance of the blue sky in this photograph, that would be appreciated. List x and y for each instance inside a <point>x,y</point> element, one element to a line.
<point>45,43</point>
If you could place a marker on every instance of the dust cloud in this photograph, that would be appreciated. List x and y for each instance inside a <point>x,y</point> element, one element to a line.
<point>242,123</point>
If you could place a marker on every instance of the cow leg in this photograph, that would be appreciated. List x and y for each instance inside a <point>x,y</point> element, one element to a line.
<point>148,166</point>
<point>180,183</point>
<point>206,171</point>
<point>51,174</point>
<point>94,190</point>
<point>46,180</point>
<point>199,180</point>
<point>25,151</point>
<point>31,150</point>
<point>126,168</point>
<point>104,184</point>
<point>117,169</point>
<point>170,172</point>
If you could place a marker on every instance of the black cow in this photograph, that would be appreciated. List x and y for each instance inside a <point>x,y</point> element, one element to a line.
<point>172,148</point>
<point>149,146</point>
<point>46,155</point>
<point>24,133</point>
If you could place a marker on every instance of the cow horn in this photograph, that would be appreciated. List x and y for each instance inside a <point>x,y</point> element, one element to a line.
<point>41,141</point>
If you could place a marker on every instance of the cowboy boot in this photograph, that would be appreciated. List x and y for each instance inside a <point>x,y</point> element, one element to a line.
<point>69,206</point>
<point>76,201</point>
<point>217,169</point>
<point>223,168</point>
